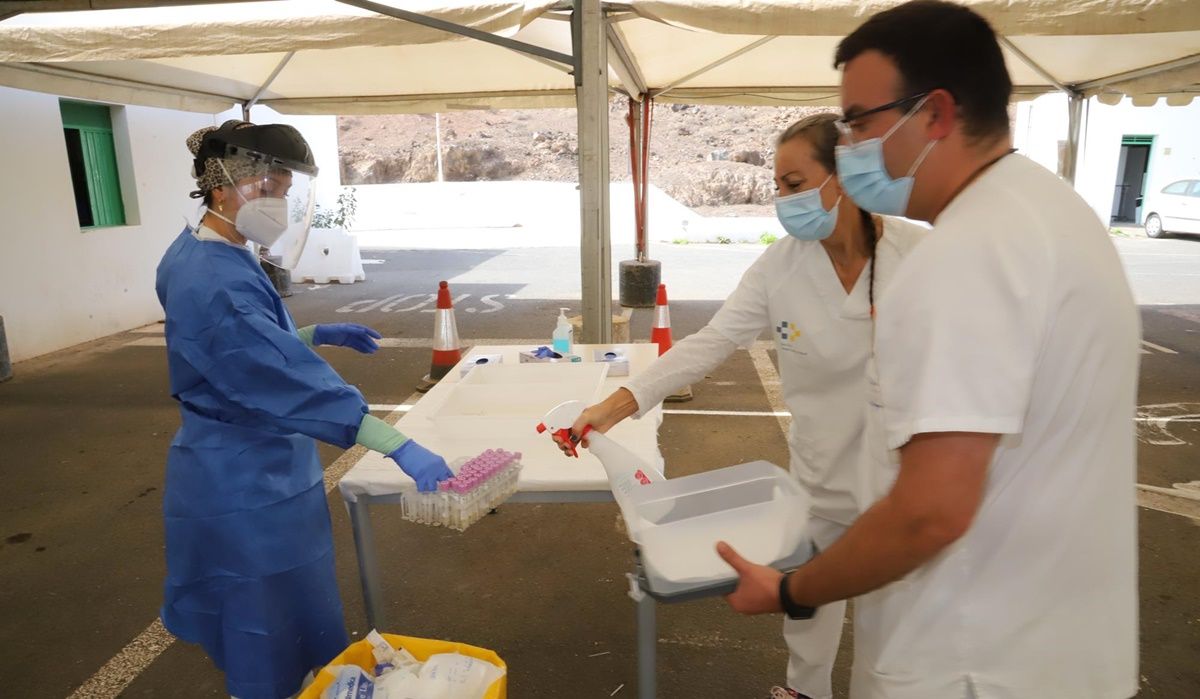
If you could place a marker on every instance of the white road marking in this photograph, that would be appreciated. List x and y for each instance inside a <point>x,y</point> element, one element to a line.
<point>731,413</point>
<point>387,342</point>
<point>388,408</point>
<point>148,342</point>
<point>427,342</point>
<point>422,302</point>
<point>124,667</point>
<point>769,377</point>
<point>1184,502</point>
<point>455,302</point>
<point>1154,422</point>
<point>1160,348</point>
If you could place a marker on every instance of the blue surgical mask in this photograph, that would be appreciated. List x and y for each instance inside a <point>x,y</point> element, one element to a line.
<point>804,216</point>
<point>865,177</point>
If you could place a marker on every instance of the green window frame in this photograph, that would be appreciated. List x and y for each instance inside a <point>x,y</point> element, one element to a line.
<point>92,154</point>
<point>1137,140</point>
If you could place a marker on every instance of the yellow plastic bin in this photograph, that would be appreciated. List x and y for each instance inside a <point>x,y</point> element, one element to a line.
<point>359,653</point>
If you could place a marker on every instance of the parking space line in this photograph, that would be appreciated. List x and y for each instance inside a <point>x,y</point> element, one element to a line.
<point>731,413</point>
<point>769,378</point>
<point>1160,348</point>
<point>124,667</point>
<point>388,408</point>
<point>1175,501</point>
<point>385,343</point>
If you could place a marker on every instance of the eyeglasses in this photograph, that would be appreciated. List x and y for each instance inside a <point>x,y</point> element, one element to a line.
<point>843,124</point>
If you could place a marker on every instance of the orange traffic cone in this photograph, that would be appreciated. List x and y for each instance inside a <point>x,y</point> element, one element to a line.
<point>660,333</point>
<point>447,350</point>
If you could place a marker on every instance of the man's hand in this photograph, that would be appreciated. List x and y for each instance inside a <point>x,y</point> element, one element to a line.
<point>758,586</point>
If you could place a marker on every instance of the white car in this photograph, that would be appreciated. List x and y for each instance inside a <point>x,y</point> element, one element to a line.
<point>1176,209</point>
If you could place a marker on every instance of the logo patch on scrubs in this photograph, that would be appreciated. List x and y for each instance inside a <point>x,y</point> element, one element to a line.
<point>787,331</point>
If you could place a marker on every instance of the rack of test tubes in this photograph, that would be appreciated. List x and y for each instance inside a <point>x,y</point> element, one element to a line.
<point>479,485</point>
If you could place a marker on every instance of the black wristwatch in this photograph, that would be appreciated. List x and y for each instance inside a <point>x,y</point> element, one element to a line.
<point>793,610</point>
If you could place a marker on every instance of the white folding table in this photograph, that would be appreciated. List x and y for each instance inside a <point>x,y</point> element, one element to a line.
<point>546,477</point>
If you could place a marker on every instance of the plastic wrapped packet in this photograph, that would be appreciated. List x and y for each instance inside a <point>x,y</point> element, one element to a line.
<point>389,660</point>
<point>455,676</point>
<point>352,683</point>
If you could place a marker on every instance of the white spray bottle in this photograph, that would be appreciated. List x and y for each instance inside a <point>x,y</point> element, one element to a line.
<point>625,471</point>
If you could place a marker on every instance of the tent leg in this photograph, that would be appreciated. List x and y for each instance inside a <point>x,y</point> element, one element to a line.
<point>1076,116</point>
<point>591,100</point>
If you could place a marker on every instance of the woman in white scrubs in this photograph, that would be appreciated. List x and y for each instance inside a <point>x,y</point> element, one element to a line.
<point>814,291</point>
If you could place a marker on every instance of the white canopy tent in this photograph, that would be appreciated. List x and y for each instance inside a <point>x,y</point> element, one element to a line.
<point>350,57</point>
<point>350,60</point>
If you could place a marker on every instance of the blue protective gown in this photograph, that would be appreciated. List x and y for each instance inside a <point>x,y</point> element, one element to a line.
<point>250,573</point>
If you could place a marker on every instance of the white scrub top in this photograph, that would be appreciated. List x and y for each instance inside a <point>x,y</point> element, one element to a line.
<point>823,338</point>
<point>1013,317</point>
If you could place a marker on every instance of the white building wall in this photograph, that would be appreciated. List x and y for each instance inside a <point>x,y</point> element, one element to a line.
<point>60,285</point>
<point>1042,124</point>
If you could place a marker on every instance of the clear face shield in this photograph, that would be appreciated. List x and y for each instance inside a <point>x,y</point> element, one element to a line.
<point>301,198</point>
<point>275,210</point>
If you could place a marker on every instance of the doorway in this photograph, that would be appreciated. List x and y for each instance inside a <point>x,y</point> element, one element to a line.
<point>1131,178</point>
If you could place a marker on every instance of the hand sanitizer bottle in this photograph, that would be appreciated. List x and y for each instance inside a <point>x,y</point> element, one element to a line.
<point>562,333</point>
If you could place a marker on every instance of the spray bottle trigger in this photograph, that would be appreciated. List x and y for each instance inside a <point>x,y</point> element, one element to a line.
<point>568,440</point>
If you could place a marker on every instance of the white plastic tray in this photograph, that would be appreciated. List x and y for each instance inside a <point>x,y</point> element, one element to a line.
<point>756,507</point>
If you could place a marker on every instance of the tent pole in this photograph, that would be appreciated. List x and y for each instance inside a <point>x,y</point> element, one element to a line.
<point>1076,103</point>
<point>1139,73</point>
<point>715,64</point>
<point>452,28</point>
<point>266,84</point>
<point>1033,65</point>
<point>1076,116</point>
<point>624,63</point>
<point>591,98</point>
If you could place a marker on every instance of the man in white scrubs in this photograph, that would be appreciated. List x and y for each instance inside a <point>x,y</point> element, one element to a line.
<point>1000,560</point>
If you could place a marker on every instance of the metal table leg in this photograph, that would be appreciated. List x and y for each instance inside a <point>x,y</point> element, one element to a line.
<point>368,564</point>
<point>647,638</point>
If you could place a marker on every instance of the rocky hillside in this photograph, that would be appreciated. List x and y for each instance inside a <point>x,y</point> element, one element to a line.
<point>705,157</point>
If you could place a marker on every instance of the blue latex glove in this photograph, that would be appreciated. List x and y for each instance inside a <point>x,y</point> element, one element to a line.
<point>422,465</point>
<point>352,335</point>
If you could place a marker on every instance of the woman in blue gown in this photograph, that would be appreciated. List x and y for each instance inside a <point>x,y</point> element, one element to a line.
<point>250,573</point>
